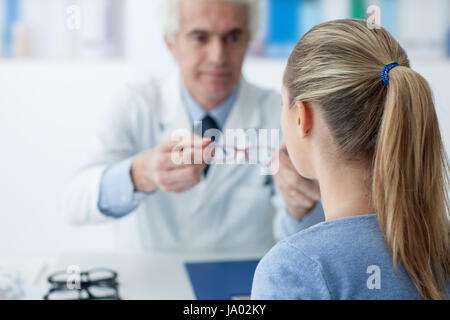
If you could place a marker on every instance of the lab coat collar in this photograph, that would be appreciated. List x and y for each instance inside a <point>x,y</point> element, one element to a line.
<point>197,113</point>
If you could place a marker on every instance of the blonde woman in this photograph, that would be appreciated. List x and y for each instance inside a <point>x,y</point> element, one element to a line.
<point>362,123</point>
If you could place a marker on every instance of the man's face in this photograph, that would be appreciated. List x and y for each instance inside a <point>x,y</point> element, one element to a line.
<point>210,47</point>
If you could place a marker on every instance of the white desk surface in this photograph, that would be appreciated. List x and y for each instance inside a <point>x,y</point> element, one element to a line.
<point>141,277</point>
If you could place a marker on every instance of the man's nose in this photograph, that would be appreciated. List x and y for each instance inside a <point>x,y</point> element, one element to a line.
<point>217,52</point>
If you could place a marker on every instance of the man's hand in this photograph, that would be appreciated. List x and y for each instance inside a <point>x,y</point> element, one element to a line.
<point>172,166</point>
<point>299,194</point>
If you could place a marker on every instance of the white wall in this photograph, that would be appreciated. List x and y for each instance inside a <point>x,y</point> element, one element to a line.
<point>48,111</point>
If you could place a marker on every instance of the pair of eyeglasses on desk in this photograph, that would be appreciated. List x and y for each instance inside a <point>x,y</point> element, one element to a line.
<point>94,284</point>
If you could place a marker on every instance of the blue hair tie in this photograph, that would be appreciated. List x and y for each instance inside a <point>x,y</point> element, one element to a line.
<point>385,71</point>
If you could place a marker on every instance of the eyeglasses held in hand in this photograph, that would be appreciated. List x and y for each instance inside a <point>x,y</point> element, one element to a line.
<point>228,154</point>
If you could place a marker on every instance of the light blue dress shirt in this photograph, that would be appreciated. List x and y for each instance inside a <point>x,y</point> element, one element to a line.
<point>340,259</point>
<point>219,114</point>
<point>117,196</point>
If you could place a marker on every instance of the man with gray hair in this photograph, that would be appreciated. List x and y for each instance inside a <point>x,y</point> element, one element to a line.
<point>200,206</point>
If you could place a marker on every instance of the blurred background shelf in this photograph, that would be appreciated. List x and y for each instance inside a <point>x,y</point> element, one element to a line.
<point>99,29</point>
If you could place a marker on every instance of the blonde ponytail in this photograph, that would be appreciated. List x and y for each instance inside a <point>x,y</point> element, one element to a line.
<point>393,127</point>
<point>410,183</point>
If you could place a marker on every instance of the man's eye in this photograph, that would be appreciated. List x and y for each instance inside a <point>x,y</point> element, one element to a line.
<point>200,38</point>
<point>232,38</point>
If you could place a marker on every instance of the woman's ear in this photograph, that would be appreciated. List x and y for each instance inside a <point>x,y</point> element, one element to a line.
<point>303,114</point>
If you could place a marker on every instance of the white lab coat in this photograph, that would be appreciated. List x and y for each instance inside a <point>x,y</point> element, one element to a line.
<point>233,208</point>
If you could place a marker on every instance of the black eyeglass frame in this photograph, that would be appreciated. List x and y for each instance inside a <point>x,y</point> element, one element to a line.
<point>90,295</point>
<point>85,283</point>
<point>84,277</point>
